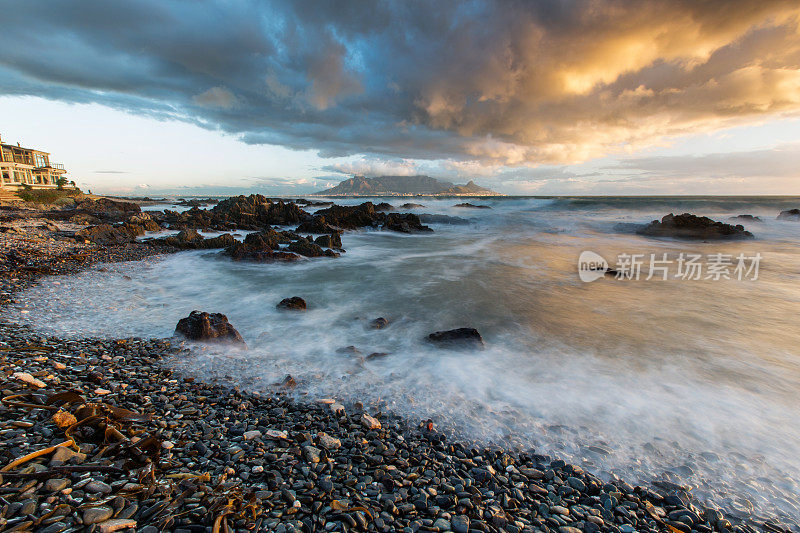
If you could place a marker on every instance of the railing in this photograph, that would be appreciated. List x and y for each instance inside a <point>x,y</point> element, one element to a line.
<point>59,166</point>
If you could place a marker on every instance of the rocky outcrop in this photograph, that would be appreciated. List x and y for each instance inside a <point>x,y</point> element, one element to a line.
<point>405,223</point>
<point>295,303</point>
<point>318,224</point>
<point>254,212</point>
<point>411,206</point>
<point>330,241</point>
<point>208,327</point>
<point>384,206</point>
<point>746,218</point>
<point>187,239</point>
<point>428,218</point>
<point>363,216</point>
<point>457,338</point>
<point>308,248</point>
<point>108,210</point>
<point>108,235</point>
<point>688,226</point>
<point>472,206</point>
<point>789,214</point>
<point>351,216</point>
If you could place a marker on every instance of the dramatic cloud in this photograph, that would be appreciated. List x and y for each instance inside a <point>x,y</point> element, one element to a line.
<point>484,83</point>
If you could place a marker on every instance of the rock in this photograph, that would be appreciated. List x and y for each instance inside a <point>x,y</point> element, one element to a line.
<point>95,515</point>
<point>329,241</point>
<point>328,442</point>
<point>116,524</point>
<point>404,223</point>
<point>310,249</point>
<point>457,338</point>
<point>311,454</point>
<point>411,206</point>
<point>108,235</point>
<point>460,524</point>
<point>351,217</point>
<point>250,435</point>
<point>318,224</point>
<point>220,241</point>
<point>442,524</point>
<point>746,218</point>
<point>378,323</point>
<point>428,218</point>
<point>789,214</point>
<point>106,209</point>
<point>97,487</point>
<point>29,379</point>
<point>472,206</point>
<point>56,484</point>
<point>376,355</point>
<point>187,239</point>
<point>208,327</point>
<point>384,206</point>
<point>295,303</point>
<point>688,226</point>
<point>263,247</point>
<point>63,455</point>
<point>370,422</point>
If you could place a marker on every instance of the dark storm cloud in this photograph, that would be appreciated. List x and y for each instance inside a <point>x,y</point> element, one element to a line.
<point>492,82</point>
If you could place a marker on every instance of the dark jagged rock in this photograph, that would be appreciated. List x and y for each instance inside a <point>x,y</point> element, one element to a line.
<point>188,239</point>
<point>428,218</point>
<point>411,205</point>
<point>384,206</point>
<point>107,209</point>
<point>405,223</point>
<point>378,323</point>
<point>310,249</point>
<point>457,338</point>
<point>688,226</point>
<point>351,217</point>
<point>220,241</point>
<point>208,327</point>
<point>295,303</point>
<point>789,214</point>
<point>261,247</point>
<point>254,212</point>
<point>472,206</point>
<point>746,218</point>
<point>318,224</point>
<point>106,234</point>
<point>330,241</point>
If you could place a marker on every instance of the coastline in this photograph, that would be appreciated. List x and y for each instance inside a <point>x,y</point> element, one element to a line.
<point>402,475</point>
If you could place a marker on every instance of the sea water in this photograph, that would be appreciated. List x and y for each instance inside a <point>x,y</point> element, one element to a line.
<point>694,381</point>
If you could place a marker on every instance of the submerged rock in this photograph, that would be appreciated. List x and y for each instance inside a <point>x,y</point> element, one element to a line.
<point>208,327</point>
<point>688,226</point>
<point>472,206</point>
<point>746,218</point>
<point>411,205</point>
<point>295,303</point>
<point>457,338</point>
<point>789,214</point>
<point>429,218</point>
<point>378,323</point>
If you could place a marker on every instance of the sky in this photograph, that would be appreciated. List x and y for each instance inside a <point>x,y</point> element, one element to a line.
<point>291,96</point>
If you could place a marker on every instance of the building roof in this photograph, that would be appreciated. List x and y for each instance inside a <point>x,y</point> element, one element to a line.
<point>6,145</point>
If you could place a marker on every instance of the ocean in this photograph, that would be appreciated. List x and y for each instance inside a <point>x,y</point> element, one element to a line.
<point>690,376</point>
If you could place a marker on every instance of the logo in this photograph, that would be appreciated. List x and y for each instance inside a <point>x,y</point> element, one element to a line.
<point>591,266</point>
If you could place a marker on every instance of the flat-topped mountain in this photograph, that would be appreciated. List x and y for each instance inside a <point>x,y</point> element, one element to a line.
<point>404,186</point>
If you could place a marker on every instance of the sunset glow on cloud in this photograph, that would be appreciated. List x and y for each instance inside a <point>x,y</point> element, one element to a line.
<point>438,87</point>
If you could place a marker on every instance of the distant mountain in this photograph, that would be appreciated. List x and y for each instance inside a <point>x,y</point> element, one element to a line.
<point>404,186</point>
